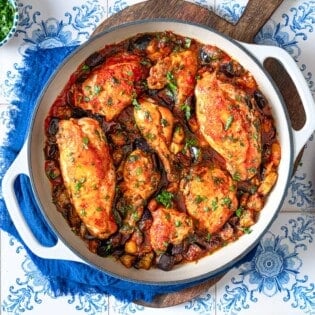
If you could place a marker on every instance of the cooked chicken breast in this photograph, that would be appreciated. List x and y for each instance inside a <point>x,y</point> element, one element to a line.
<point>169,227</point>
<point>88,173</point>
<point>210,197</point>
<point>111,87</point>
<point>141,180</point>
<point>178,70</point>
<point>156,125</point>
<point>229,125</point>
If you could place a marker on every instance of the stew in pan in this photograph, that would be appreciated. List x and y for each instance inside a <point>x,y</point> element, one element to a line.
<point>160,150</point>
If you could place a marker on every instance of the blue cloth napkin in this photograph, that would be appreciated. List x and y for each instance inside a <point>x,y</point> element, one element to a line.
<point>65,277</point>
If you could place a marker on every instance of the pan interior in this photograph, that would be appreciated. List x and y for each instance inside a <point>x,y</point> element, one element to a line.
<point>205,267</point>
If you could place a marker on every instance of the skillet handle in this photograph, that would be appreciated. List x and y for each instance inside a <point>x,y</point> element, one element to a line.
<point>262,52</point>
<point>58,251</point>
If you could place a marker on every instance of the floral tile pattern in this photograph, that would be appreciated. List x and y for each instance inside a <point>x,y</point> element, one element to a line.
<point>278,271</point>
<point>292,28</point>
<point>231,10</point>
<point>279,279</point>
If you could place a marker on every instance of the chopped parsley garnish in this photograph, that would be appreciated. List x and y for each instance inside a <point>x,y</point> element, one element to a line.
<point>171,83</point>
<point>253,189</point>
<point>187,42</point>
<point>228,122</point>
<point>135,215</point>
<point>145,62</point>
<point>136,104</point>
<point>187,110</point>
<point>190,143</point>
<point>178,223</point>
<point>126,208</point>
<point>79,184</point>
<point>85,67</point>
<point>85,141</point>
<point>252,170</point>
<point>167,216</point>
<point>83,212</point>
<point>165,198</point>
<point>236,176</point>
<point>105,250</point>
<point>199,199</point>
<point>164,122</point>
<point>6,18</point>
<point>97,89</point>
<point>239,211</point>
<point>246,230</point>
<point>139,171</point>
<point>208,237</point>
<point>52,175</point>
<point>133,157</point>
<point>226,201</point>
<point>214,204</point>
<point>150,136</point>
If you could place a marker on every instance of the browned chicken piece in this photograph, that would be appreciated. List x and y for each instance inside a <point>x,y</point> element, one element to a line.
<point>169,226</point>
<point>156,125</point>
<point>210,197</point>
<point>229,125</point>
<point>158,48</point>
<point>88,173</point>
<point>140,181</point>
<point>178,71</point>
<point>111,87</point>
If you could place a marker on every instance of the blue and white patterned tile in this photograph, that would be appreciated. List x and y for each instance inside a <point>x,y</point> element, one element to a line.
<point>47,28</point>
<point>202,305</point>
<point>208,4</point>
<point>301,194</point>
<point>292,28</point>
<point>279,273</point>
<point>4,122</point>
<point>27,291</point>
<point>114,6</point>
<point>43,27</point>
<point>231,10</point>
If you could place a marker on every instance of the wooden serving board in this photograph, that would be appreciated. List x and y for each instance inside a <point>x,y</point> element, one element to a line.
<point>255,16</point>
